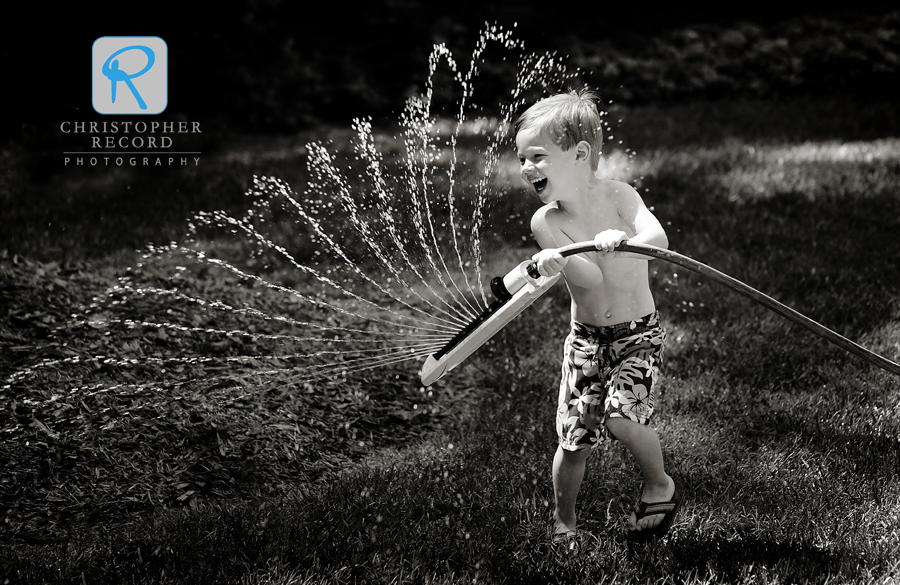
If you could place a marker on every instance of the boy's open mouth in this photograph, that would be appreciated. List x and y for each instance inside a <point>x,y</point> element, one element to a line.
<point>539,185</point>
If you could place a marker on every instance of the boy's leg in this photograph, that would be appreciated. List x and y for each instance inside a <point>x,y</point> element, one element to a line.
<point>629,406</point>
<point>568,472</point>
<point>643,444</point>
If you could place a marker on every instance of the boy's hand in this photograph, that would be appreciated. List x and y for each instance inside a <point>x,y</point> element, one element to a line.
<point>549,262</point>
<point>607,241</point>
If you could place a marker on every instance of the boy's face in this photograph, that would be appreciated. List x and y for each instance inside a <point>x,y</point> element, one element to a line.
<point>544,165</point>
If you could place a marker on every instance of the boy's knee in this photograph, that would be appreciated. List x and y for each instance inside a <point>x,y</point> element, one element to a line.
<point>619,427</point>
<point>617,422</point>
<point>571,456</point>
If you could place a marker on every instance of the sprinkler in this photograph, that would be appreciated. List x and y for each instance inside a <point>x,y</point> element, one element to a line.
<point>514,293</point>
<point>523,285</point>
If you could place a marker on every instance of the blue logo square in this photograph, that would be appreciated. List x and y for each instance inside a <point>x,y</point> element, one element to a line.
<point>130,75</point>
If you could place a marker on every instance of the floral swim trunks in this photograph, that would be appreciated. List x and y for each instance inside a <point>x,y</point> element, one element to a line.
<point>613,366</point>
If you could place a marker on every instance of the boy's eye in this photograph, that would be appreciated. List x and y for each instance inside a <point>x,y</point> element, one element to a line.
<point>534,158</point>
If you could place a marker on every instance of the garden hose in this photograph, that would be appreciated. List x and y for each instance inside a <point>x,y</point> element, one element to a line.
<point>521,286</point>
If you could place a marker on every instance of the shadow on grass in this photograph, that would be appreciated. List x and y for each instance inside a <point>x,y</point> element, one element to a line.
<point>830,255</point>
<point>741,558</point>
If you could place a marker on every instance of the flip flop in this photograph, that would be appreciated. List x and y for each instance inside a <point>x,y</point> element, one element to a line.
<point>566,541</point>
<point>669,509</point>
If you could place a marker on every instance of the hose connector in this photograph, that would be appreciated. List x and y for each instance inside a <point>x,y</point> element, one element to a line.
<point>526,272</point>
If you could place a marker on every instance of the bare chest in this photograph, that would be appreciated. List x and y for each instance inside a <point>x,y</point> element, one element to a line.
<point>587,223</point>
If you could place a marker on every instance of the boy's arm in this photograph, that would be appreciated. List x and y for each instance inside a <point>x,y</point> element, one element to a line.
<point>579,271</point>
<point>646,228</point>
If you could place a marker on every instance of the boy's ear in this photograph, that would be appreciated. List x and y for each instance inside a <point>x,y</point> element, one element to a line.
<point>583,150</point>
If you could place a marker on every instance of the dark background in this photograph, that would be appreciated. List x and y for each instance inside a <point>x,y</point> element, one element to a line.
<point>276,66</point>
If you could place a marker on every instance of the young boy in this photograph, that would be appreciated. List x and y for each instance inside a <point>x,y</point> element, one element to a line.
<point>612,355</point>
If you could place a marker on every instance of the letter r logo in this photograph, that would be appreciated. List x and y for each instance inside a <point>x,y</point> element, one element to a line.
<point>130,75</point>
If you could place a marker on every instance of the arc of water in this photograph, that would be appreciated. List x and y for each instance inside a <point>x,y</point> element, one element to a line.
<point>496,34</point>
<point>409,350</point>
<point>415,351</point>
<point>417,131</point>
<point>416,120</point>
<point>367,151</point>
<point>322,278</point>
<point>362,363</point>
<point>337,249</point>
<point>203,258</point>
<point>390,356</point>
<point>438,52</point>
<point>407,337</point>
<point>319,153</point>
<point>321,159</point>
<point>369,154</point>
<point>437,332</point>
<point>465,84</point>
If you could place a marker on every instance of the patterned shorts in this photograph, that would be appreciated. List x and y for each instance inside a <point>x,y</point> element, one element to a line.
<point>615,366</point>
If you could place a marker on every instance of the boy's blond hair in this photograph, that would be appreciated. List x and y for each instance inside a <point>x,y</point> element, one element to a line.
<point>567,118</point>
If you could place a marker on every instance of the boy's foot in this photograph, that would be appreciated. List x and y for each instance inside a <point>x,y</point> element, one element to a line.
<point>564,536</point>
<point>571,541</point>
<point>563,539</point>
<point>651,494</point>
<point>659,516</point>
<point>559,527</point>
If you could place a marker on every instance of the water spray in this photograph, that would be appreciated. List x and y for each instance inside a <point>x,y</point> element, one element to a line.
<point>523,285</point>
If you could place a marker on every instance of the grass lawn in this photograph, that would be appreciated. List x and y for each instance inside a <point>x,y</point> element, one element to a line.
<point>237,470</point>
